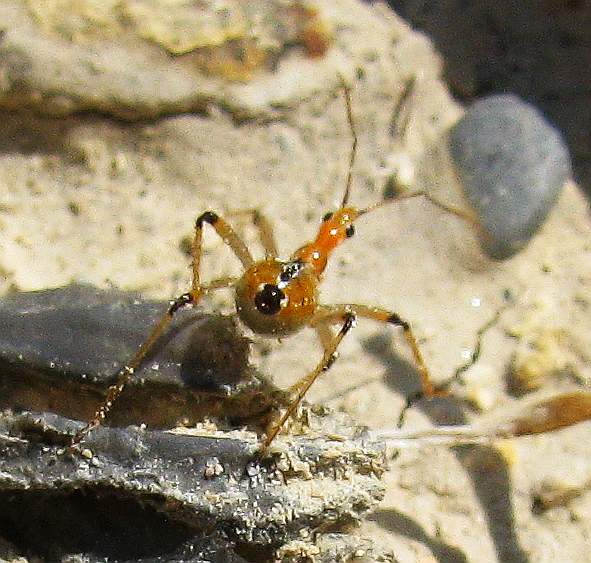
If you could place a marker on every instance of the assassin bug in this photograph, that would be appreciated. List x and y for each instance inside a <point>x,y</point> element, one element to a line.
<point>276,298</point>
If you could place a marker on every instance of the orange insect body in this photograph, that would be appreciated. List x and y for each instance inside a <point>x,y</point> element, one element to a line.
<point>276,298</point>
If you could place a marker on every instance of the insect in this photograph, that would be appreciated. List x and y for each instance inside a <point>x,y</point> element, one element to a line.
<point>276,298</point>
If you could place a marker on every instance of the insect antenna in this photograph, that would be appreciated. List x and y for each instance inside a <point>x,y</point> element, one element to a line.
<point>347,93</point>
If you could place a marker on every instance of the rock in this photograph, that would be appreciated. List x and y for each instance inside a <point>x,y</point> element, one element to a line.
<point>512,164</point>
<point>138,60</point>
<point>148,494</point>
<point>131,492</point>
<point>60,348</point>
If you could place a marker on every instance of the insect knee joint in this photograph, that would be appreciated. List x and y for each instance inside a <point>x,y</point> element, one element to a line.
<point>207,217</point>
<point>179,302</point>
<point>350,320</point>
<point>396,320</point>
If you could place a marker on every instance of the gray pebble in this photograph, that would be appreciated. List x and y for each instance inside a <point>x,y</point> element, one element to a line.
<point>512,164</point>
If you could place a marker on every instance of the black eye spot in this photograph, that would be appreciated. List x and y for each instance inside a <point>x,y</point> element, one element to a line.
<point>327,216</point>
<point>268,300</point>
<point>350,231</point>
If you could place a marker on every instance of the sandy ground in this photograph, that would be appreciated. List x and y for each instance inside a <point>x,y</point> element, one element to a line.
<point>90,197</point>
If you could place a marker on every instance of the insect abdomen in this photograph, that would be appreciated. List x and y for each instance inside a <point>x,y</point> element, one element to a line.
<point>271,306</point>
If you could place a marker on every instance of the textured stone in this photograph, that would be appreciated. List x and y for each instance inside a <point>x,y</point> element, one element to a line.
<point>140,60</point>
<point>142,494</point>
<point>133,492</point>
<point>60,348</point>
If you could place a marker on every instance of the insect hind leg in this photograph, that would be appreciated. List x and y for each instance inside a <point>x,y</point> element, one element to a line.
<point>126,372</point>
<point>122,377</point>
<point>301,387</point>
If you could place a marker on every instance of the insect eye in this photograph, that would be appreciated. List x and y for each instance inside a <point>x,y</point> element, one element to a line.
<point>268,300</point>
<point>327,216</point>
<point>350,231</point>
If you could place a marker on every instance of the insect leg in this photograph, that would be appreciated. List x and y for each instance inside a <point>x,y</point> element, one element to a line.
<point>325,334</point>
<point>219,283</point>
<point>227,234</point>
<point>299,390</point>
<point>260,221</point>
<point>381,315</point>
<point>126,372</point>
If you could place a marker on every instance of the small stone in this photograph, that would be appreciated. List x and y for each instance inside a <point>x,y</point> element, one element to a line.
<point>213,468</point>
<point>512,164</point>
